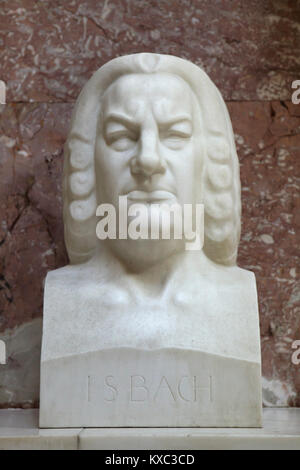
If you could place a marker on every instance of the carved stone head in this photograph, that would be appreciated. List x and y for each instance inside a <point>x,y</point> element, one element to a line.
<point>157,123</point>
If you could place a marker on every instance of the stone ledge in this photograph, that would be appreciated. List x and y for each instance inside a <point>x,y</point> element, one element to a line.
<point>19,431</point>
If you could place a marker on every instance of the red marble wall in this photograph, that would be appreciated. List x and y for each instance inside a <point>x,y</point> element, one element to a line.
<point>49,49</point>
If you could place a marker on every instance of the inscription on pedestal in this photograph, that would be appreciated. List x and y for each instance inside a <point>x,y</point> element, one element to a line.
<point>140,389</point>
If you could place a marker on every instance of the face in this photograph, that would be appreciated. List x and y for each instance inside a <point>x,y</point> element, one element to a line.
<point>146,141</point>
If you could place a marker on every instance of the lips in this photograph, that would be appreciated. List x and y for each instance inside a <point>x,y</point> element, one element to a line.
<point>156,196</point>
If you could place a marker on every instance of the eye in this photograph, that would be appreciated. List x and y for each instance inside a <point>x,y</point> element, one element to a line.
<point>176,136</point>
<point>121,140</point>
<point>119,136</point>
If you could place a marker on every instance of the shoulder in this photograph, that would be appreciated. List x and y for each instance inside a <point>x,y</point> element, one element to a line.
<point>82,280</point>
<point>237,279</point>
<point>232,279</point>
<point>227,274</point>
<point>237,274</point>
<point>72,274</point>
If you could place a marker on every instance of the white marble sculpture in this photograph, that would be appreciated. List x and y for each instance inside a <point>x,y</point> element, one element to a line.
<point>145,332</point>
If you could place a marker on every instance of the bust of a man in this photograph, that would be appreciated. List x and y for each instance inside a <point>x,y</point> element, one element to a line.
<point>141,327</point>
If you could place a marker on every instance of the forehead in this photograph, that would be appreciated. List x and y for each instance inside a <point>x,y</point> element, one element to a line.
<point>163,92</point>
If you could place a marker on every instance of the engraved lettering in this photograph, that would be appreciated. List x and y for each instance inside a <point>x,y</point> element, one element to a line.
<point>186,389</point>
<point>183,385</point>
<point>138,390</point>
<point>164,385</point>
<point>208,389</point>
<point>113,392</point>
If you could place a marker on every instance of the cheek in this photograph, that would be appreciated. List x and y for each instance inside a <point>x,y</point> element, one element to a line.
<point>105,172</point>
<point>111,171</point>
<point>106,162</point>
<point>181,164</point>
<point>181,161</point>
<point>110,159</point>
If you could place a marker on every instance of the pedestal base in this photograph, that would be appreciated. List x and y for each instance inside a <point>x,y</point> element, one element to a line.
<point>162,388</point>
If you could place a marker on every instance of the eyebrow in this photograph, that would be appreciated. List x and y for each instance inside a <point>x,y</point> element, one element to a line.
<point>122,119</point>
<point>127,121</point>
<point>176,120</point>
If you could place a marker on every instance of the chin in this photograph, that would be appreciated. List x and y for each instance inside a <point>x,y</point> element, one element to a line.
<point>139,255</point>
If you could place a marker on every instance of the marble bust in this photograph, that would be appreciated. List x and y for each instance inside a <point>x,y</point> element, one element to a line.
<point>142,332</point>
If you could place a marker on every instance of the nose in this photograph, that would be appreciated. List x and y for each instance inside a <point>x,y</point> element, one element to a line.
<point>147,162</point>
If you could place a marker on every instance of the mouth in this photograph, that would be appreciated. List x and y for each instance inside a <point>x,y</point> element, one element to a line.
<point>150,197</point>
